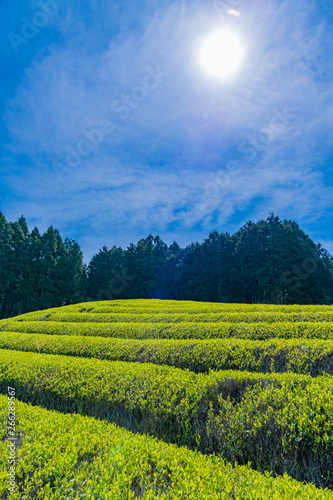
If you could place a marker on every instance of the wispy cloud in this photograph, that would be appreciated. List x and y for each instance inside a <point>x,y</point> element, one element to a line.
<point>152,171</point>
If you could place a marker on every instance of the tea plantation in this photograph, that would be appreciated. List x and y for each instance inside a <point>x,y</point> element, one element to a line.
<point>151,399</point>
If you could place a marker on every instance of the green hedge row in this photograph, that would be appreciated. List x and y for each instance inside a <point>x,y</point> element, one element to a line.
<point>311,357</point>
<point>150,306</point>
<point>155,306</point>
<point>273,421</point>
<point>228,317</point>
<point>254,331</point>
<point>71,457</point>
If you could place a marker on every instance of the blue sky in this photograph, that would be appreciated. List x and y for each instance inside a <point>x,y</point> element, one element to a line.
<point>111,129</point>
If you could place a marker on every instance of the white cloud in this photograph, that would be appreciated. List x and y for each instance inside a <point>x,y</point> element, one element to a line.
<point>172,145</point>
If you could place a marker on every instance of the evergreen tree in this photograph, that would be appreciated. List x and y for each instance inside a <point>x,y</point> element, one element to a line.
<point>106,275</point>
<point>271,261</point>
<point>37,272</point>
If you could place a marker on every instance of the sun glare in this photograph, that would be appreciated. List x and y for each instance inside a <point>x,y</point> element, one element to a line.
<point>222,53</point>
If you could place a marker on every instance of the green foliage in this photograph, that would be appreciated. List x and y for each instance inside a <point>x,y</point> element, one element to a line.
<point>156,306</point>
<point>142,317</point>
<point>37,271</point>
<point>70,456</point>
<point>190,330</point>
<point>270,262</point>
<point>311,357</point>
<point>190,409</point>
<point>274,261</point>
<point>166,369</point>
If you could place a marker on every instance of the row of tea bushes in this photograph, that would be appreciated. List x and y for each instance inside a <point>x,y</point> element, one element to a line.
<point>227,317</point>
<point>254,331</point>
<point>308,356</point>
<point>137,306</point>
<point>156,306</point>
<point>74,457</point>
<point>266,419</point>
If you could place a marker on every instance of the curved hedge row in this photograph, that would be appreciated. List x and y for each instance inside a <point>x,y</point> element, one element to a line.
<point>150,306</point>
<point>311,357</point>
<point>254,331</point>
<point>227,317</point>
<point>156,306</point>
<point>99,460</point>
<point>266,419</point>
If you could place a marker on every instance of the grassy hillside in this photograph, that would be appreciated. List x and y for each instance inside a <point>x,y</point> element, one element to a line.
<point>247,383</point>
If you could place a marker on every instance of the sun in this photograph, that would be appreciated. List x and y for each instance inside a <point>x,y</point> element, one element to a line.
<point>222,53</point>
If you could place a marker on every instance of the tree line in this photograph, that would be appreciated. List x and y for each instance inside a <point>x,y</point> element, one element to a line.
<point>38,271</point>
<point>271,261</point>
